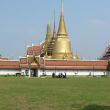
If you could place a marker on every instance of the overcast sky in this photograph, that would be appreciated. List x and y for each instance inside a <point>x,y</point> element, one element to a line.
<point>23,22</point>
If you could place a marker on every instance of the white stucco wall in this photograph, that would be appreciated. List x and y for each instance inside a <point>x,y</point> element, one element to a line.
<point>9,71</point>
<point>41,72</point>
<point>73,72</point>
<point>23,71</point>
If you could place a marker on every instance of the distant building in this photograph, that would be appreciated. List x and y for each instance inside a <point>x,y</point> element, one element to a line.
<point>3,58</point>
<point>106,55</point>
<point>54,55</point>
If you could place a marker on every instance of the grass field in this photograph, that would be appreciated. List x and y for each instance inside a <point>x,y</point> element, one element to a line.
<point>54,94</point>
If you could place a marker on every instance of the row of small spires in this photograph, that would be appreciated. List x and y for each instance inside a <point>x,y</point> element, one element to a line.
<point>76,57</point>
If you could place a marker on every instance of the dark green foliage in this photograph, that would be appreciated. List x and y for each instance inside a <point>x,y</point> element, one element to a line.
<point>96,107</point>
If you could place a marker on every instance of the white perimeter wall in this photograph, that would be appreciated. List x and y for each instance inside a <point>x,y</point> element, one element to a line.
<point>9,71</point>
<point>49,72</point>
<point>73,72</point>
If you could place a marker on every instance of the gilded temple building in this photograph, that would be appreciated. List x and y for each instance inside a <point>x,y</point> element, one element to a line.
<point>54,55</point>
<point>62,47</point>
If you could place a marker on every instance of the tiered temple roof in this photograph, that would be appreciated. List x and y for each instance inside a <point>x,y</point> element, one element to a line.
<point>106,55</point>
<point>78,65</point>
<point>35,50</point>
<point>61,57</point>
<point>9,64</point>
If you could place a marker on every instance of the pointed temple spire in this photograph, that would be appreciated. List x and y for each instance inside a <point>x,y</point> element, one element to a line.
<point>62,27</point>
<point>62,7</point>
<point>62,42</point>
<point>52,42</point>
<point>48,34</point>
<point>48,28</point>
<point>54,28</point>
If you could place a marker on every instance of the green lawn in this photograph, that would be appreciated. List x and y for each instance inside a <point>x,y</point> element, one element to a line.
<point>54,94</point>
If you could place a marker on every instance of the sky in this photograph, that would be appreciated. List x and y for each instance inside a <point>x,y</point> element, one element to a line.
<point>23,23</point>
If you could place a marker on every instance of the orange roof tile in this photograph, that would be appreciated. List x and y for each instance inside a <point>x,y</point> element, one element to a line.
<point>23,60</point>
<point>35,50</point>
<point>24,66</point>
<point>77,67</point>
<point>9,64</point>
<point>76,64</point>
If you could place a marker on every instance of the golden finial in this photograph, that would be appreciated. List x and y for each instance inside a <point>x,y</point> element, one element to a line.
<point>62,27</point>
<point>62,9</point>
<point>48,28</point>
<point>76,57</point>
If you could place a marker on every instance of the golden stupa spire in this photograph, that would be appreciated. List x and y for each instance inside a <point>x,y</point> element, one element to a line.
<point>62,27</point>
<point>62,7</point>
<point>54,28</point>
<point>48,28</point>
<point>62,43</point>
<point>48,34</point>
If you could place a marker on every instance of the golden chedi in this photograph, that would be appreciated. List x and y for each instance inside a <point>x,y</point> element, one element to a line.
<point>52,43</point>
<point>62,47</point>
<point>48,40</point>
<point>48,36</point>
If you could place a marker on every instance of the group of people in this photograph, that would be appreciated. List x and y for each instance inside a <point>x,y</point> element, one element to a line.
<point>60,75</point>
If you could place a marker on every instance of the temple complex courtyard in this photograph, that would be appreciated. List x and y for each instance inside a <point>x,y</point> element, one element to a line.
<point>75,93</point>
